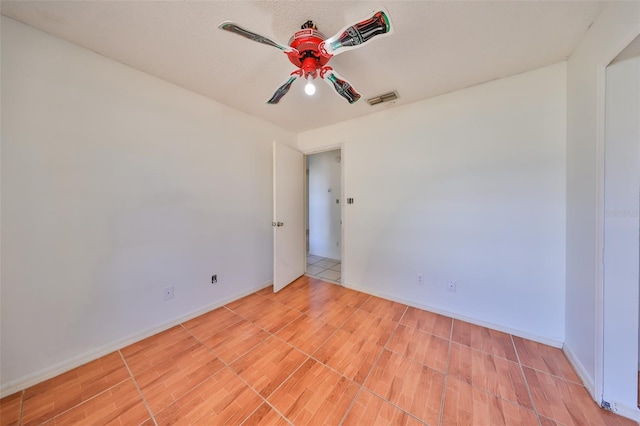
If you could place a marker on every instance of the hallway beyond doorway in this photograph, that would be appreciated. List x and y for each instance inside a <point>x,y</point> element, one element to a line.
<point>325,268</point>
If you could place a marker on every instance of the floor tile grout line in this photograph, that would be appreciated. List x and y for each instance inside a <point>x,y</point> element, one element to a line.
<point>220,331</point>
<point>554,375</point>
<point>225,364</point>
<point>539,370</point>
<point>382,397</point>
<point>520,365</point>
<point>334,282</point>
<point>310,356</point>
<point>396,327</point>
<point>264,401</point>
<point>85,400</point>
<point>353,309</point>
<point>321,259</point>
<point>21,407</point>
<point>261,327</point>
<point>343,322</point>
<point>280,385</point>
<point>324,269</point>
<point>503,357</point>
<point>190,390</point>
<point>483,351</point>
<point>135,383</point>
<point>446,376</point>
<point>355,397</point>
<point>23,391</point>
<point>210,350</point>
<point>384,347</point>
<point>394,405</point>
<point>526,382</point>
<point>279,412</point>
<point>362,385</point>
<point>274,335</point>
<point>264,398</point>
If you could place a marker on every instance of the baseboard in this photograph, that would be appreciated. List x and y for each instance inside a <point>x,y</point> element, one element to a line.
<point>630,412</point>
<point>540,339</point>
<point>587,380</point>
<point>63,367</point>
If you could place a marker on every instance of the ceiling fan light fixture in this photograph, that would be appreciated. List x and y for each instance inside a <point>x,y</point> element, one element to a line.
<point>309,88</point>
<point>310,51</point>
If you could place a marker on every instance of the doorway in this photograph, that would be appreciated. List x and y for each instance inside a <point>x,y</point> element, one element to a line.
<point>621,226</point>
<point>324,215</point>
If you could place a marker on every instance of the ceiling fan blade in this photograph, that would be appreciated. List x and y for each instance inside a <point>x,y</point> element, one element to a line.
<point>356,35</point>
<point>284,88</point>
<point>234,28</point>
<point>341,86</point>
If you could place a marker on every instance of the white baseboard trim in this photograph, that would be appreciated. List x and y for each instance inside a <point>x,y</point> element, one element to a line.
<point>631,412</point>
<point>540,339</point>
<point>624,410</point>
<point>587,380</point>
<point>62,367</point>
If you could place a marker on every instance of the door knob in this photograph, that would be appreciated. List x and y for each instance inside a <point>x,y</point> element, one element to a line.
<point>280,224</point>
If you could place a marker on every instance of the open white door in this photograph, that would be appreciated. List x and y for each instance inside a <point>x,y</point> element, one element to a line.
<point>288,216</point>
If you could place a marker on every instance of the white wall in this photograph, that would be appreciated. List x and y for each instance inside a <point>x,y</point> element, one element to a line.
<point>615,27</point>
<point>324,212</point>
<point>622,232</point>
<point>469,186</point>
<point>116,184</point>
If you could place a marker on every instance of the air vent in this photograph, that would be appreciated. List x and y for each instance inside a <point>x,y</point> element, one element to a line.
<point>387,97</point>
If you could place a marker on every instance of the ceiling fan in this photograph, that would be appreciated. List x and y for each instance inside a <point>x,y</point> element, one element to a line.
<point>310,51</point>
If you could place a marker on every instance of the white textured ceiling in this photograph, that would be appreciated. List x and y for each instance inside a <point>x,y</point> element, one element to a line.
<point>437,47</point>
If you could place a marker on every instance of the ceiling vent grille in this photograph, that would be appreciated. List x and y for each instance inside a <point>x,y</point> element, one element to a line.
<point>387,97</point>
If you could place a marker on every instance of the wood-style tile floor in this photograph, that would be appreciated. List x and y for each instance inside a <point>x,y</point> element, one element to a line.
<point>317,354</point>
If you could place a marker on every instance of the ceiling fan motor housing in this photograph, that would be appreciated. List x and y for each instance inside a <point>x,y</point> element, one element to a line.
<point>306,41</point>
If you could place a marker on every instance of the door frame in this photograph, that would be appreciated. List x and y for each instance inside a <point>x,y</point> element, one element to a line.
<point>601,75</point>
<point>319,150</point>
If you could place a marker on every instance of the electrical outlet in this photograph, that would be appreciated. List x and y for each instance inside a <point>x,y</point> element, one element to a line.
<point>214,279</point>
<point>168,293</point>
<point>419,279</point>
<point>451,286</point>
